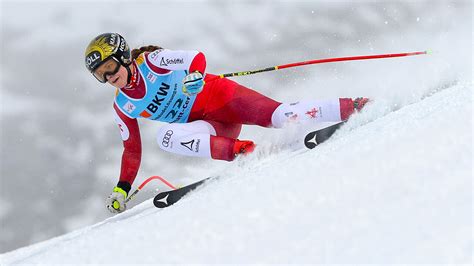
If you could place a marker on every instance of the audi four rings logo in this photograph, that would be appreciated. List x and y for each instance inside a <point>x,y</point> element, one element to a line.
<point>167,138</point>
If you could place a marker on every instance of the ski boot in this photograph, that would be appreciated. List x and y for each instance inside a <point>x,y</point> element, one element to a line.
<point>360,102</point>
<point>244,147</point>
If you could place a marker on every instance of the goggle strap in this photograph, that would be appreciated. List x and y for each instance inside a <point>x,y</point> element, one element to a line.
<point>129,76</point>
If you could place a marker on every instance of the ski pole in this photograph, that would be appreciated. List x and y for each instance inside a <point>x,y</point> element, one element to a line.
<point>317,61</point>
<point>146,182</point>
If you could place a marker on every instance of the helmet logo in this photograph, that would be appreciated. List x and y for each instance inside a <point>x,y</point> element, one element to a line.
<point>112,39</point>
<point>91,59</point>
<point>122,46</point>
<point>102,47</point>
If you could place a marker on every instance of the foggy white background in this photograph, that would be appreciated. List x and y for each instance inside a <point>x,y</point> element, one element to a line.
<point>60,147</point>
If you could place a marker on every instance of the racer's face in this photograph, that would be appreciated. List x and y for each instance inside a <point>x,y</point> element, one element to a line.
<point>109,67</point>
<point>113,72</point>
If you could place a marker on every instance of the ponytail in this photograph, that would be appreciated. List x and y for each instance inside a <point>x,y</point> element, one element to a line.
<point>148,48</point>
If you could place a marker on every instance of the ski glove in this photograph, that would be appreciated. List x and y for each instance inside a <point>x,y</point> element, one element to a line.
<point>193,83</point>
<point>116,201</point>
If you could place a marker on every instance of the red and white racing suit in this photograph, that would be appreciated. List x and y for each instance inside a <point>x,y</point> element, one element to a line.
<point>216,117</point>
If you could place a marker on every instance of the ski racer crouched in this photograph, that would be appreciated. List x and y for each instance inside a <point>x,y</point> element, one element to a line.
<point>205,117</point>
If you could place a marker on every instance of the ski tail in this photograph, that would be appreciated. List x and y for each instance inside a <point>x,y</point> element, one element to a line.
<point>168,198</point>
<point>314,138</point>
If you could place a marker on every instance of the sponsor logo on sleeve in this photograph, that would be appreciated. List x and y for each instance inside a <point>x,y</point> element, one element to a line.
<point>174,61</point>
<point>153,55</point>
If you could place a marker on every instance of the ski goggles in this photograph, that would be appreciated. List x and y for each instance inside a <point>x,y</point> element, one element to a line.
<point>109,67</point>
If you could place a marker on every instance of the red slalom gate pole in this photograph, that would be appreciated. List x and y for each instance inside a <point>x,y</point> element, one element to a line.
<point>146,182</point>
<point>317,61</point>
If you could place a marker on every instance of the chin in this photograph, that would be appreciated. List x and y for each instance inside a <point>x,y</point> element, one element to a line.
<point>116,84</point>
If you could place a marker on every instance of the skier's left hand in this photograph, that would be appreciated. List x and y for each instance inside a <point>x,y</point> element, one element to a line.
<point>116,200</point>
<point>193,83</point>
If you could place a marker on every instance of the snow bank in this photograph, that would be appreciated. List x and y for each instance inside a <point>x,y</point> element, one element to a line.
<point>389,187</point>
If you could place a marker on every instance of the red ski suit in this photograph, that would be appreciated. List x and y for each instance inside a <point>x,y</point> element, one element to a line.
<point>223,103</point>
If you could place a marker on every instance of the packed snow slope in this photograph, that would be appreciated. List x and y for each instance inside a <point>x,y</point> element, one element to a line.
<point>392,186</point>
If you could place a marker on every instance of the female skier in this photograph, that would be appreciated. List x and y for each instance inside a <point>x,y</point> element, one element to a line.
<point>205,118</point>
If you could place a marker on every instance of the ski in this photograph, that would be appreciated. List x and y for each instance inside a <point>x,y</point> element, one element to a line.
<point>314,138</point>
<point>168,198</point>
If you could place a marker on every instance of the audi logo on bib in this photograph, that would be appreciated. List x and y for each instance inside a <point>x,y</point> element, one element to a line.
<point>167,138</point>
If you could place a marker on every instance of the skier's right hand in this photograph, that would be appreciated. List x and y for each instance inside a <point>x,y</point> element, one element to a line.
<point>116,201</point>
<point>193,83</point>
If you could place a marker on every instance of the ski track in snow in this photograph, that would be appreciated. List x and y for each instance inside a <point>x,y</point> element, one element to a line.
<point>390,186</point>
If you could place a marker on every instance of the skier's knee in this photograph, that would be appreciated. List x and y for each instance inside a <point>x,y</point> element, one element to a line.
<point>281,115</point>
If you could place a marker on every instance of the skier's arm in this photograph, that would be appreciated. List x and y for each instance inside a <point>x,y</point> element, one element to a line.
<point>132,152</point>
<point>178,60</point>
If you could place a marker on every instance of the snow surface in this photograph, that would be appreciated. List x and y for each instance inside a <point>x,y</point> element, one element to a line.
<point>406,199</point>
